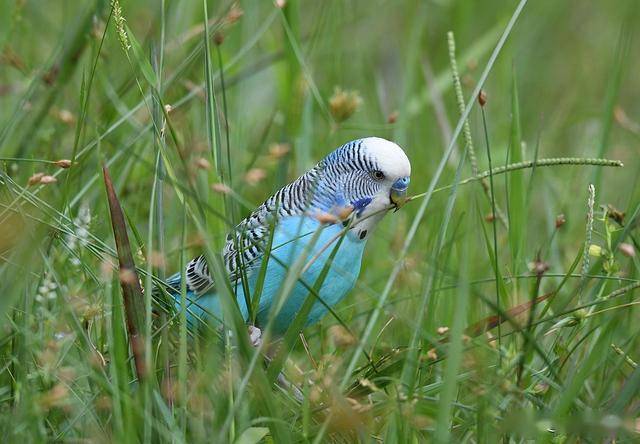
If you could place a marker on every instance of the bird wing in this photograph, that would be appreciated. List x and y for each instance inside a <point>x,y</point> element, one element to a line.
<point>245,245</point>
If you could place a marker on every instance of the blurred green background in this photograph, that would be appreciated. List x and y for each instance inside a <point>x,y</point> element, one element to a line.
<point>293,80</point>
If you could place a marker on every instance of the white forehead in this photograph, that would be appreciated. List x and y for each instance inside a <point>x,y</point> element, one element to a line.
<point>390,158</point>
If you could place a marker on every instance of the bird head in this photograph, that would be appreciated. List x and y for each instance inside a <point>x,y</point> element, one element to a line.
<point>368,175</point>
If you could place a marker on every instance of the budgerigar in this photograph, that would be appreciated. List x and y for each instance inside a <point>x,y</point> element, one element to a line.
<point>362,178</point>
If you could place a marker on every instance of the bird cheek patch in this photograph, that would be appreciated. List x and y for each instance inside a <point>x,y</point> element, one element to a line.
<point>361,204</point>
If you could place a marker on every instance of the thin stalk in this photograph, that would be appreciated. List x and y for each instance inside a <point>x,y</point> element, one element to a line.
<point>468,140</point>
<point>494,229</point>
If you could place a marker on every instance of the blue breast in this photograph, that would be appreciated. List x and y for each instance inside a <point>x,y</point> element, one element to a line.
<point>301,240</point>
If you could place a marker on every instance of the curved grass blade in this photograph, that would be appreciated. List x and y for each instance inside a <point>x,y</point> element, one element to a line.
<point>130,283</point>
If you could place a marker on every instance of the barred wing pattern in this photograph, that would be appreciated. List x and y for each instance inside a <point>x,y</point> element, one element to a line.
<point>244,246</point>
<point>337,180</point>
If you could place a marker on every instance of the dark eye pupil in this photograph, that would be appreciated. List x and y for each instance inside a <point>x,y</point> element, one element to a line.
<point>378,174</point>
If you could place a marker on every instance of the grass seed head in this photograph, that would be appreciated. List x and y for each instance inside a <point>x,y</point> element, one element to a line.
<point>615,214</point>
<point>35,179</point>
<point>538,267</point>
<point>254,176</point>
<point>120,23</point>
<point>46,180</point>
<point>106,269</point>
<point>279,150</point>
<point>63,163</point>
<point>490,217</point>
<point>595,250</point>
<point>341,337</point>
<point>482,98</point>
<point>218,38</point>
<point>627,249</point>
<point>220,188</point>
<point>57,397</point>
<point>104,403</point>
<point>65,116</point>
<point>157,259</point>
<point>234,14</point>
<point>67,374</point>
<point>343,104</point>
<point>202,163</point>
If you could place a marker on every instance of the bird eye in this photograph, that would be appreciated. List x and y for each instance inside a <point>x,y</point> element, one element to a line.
<point>377,174</point>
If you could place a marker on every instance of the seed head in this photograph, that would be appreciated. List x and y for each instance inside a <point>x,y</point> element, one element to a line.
<point>341,337</point>
<point>278,150</point>
<point>344,103</point>
<point>63,163</point>
<point>615,214</point>
<point>35,179</point>
<point>46,180</point>
<point>255,176</point>
<point>66,117</point>
<point>202,163</point>
<point>157,259</point>
<point>482,98</point>
<point>490,217</point>
<point>595,250</point>
<point>234,14</point>
<point>218,38</point>
<point>220,188</point>
<point>627,249</point>
<point>538,267</point>
<point>120,21</point>
<point>58,396</point>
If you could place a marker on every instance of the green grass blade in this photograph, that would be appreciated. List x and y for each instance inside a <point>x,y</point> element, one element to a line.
<point>516,189</point>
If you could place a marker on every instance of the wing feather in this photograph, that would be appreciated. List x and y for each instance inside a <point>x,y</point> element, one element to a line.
<point>245,244</point>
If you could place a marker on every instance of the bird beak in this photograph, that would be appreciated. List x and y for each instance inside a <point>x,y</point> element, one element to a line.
<point>398,195</point>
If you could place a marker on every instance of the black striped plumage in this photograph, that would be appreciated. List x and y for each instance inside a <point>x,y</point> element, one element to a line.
<point>340,179</point>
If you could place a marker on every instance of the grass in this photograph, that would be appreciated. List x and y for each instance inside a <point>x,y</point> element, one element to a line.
<point>500,303</point>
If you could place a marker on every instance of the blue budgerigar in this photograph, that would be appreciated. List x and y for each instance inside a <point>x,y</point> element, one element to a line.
<point>362,178</point>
